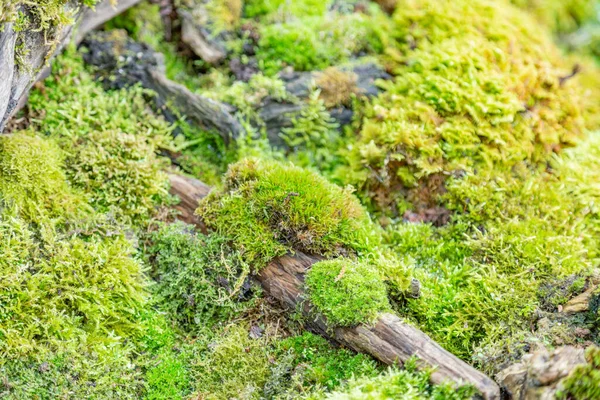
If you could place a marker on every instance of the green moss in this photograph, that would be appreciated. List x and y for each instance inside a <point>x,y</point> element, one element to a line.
<point>267,208</point>
<point>313,43</point>
<point>201,280</point>
<point>476,86</point>
<point>110,140</point>
<point>405,384</point>
<point>514,234</point>
<point>283,10</point>
<point>560,16</point>
<point>122,173</point>
<point>584,381</point>
<point>71,290</point>
<point>32,180</point>
<point>346,292</point>
<point>324,366</point>
<point>236,366</point>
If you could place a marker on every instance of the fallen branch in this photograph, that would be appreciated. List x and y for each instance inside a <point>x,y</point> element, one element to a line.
<point>389,339</point>
<point>17,76</point>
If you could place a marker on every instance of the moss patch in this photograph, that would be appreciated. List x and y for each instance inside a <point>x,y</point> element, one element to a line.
<point>346,292</point>
<point>475,86</point>
<point>268,208</point>
<point>584,381</point>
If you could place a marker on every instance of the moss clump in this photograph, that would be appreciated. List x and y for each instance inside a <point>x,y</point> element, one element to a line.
<point>112,149</point>
<point>485,276</point>
<point>402,384</point>
<point>560,16</point>
<point>236,366</point>
<point>200,279</point>
<point>584,381</point>
<point>268,208</point>
<point>476,85</point>
<point>281,10</point>
<point>70,292</point>
<point>346,292</point>
<point>314,43</point>
<point>122,173</point>
<point>337,86</point>
<point>32,179</point>
<point>324,366</point>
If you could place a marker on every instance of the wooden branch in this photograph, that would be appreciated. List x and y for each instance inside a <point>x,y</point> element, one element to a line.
<point>136,63</point>
<point>200,40</point>
<point>389,339</point>
<point>18,76</point>
<point>189,191</point>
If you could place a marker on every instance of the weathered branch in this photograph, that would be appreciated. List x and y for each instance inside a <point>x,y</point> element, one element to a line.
<point>135,63</point>
<point>390,340</point>
<point>17,75</point>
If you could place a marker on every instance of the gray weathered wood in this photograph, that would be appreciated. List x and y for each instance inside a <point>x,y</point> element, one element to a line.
<point>16,79</point>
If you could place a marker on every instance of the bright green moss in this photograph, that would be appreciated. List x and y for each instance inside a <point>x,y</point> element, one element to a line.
<point>110,140</point>
<point>32,180</point>
<point>200,279</point>
<point>406,384</point>
<point>514,235</point>
<point>314,43</point>
<point>236,367</point>
<point>476,85</point>
<point>584,381</point>
<point>325,366</point>
<point>560,16</point>
<point>346,292</point>
<point>71,289</point>
<point>284,10</point>
<point>122,173</point>
<point>267,208</point>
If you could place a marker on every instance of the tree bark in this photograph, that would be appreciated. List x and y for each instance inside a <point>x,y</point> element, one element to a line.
<point>17,77</point>
<point>389,339</point>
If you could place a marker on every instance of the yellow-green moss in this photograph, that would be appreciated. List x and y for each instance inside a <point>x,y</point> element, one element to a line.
<point>346,292</point>
<point>268,208</point>
<point>560,16</point>
<point>398,384</point>
<point>110,140</point>
<point>584,381</point>
<point>476,85</point>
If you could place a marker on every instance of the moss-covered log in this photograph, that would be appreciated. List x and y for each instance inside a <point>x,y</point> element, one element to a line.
<point>24,53</point>
<point>389,339</point>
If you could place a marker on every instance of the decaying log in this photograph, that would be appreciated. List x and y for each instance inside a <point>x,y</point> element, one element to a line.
<point>135,63</point>
<point>389,339</point>
<point>189,191</point>
<point>18,76</point>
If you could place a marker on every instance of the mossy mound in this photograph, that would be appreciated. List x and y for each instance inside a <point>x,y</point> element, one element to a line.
<point>110,140</point>
<point>200,279</point>
<point>560,16</point>
<point>476,86</point>
<point>485,277</point>
<point>267,208</point>
<point>346,292</point>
